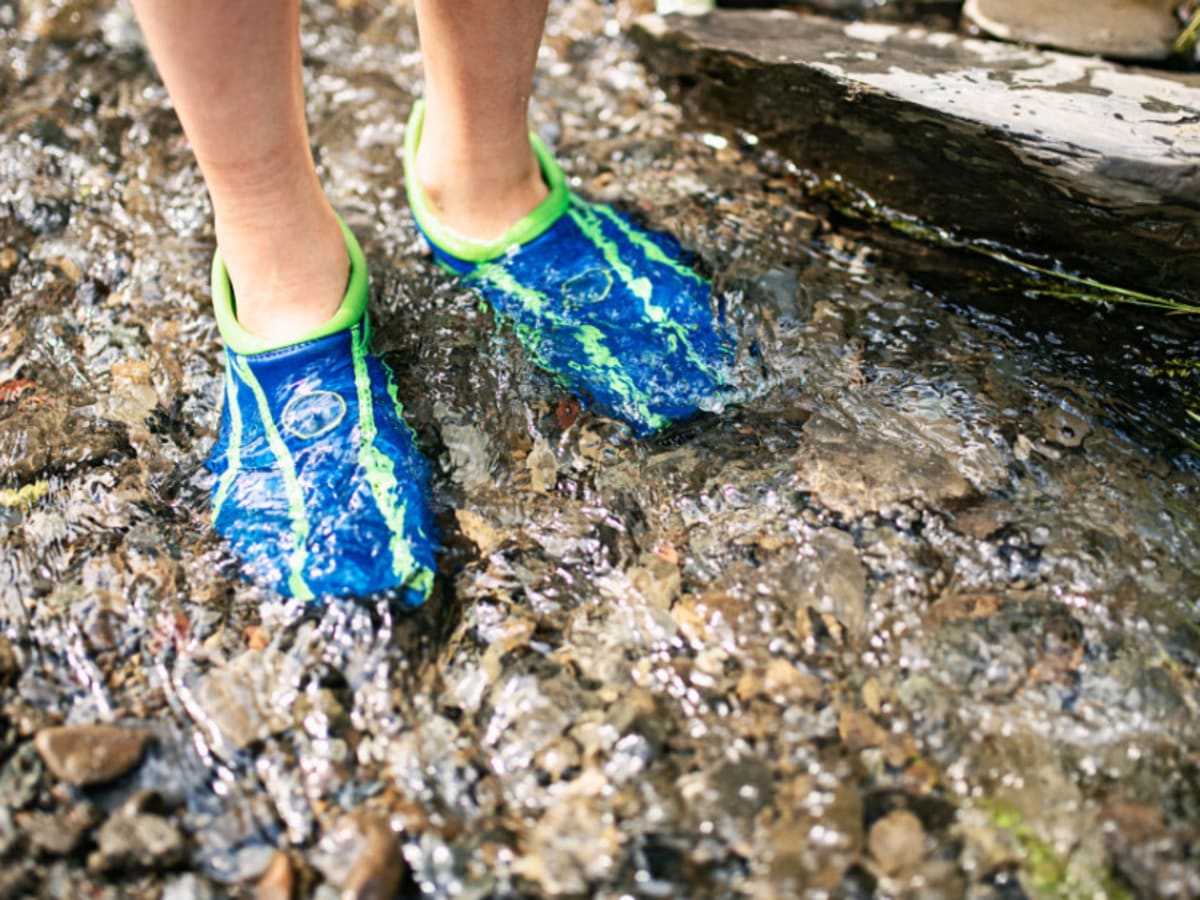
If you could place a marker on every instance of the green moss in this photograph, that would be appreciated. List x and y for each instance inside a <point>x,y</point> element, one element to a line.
<point>1044,282</point>
<point>1049,873</point>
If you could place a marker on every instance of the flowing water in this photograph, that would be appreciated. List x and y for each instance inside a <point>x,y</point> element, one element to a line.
<point>917,615</point>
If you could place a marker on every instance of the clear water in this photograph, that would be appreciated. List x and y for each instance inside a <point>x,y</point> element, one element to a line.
<point>941,558</point>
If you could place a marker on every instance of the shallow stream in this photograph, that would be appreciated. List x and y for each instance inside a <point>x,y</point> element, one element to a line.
<point>916,616</point>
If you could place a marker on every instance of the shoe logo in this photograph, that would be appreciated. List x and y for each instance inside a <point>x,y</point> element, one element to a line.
<point>311,415</point>
<point>589,286</point>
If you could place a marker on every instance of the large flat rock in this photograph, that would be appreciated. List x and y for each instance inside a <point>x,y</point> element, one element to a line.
<point>1086,162</point>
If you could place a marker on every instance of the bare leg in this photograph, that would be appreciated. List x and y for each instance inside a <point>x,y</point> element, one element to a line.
<point>475,163</point>
<point>233,71</point>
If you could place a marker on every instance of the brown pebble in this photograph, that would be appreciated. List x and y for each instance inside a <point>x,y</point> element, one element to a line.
<point>897,842</point>
<point>278,882</point>
<point>379,867</point>
<point>859,731</point>
<point>9,667</point>
<point>85,755</point>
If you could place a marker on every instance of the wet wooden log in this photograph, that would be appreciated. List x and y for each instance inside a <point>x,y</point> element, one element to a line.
<point>1087,163</point>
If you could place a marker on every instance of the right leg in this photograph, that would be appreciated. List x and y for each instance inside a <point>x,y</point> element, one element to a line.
<point>320,488</point>
<point>232,69</point>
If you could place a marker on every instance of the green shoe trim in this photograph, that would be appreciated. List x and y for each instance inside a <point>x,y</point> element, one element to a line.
<point>291,485</point>
<point>225,484</point>
<point>467,249</point>
<point>379,468</point>
<point>239,340</point>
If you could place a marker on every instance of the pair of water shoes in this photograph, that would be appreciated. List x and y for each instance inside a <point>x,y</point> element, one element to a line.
<point>320,488</point>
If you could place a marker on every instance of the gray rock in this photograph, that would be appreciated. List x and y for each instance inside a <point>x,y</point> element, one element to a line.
<point>86,755</point>
<point>140,841</point>
<point>247,699</point>
<point>1082,160</point>
<point>1125,29</point>
<point>59,834</point>
<point>20,778</point>
<point>854,470</point>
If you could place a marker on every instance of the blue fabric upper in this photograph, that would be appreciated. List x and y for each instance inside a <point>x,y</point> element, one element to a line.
<point>320,488</point>
<point>615,311</point>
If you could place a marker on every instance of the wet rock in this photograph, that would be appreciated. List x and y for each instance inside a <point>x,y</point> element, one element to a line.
<point>379,866</point>
<point>10,667</point>
<point>897,843</point>
<point>1063,427</point>
<point>486,537</point>
<point>859,731</point>
<point>1077,159</point>
<point>54,434</point>
<point>781,682</point>
<point>853,471</point>
<point>86,755</point>
<point>188,887</point>
<point>836,582</point>
<point>1125,29</point>
<point>59,834</point>
<point>20,778</point>
<point>242,701</point>
<point>278,882</point>
<point>137,841</point>
<point>574,843</point>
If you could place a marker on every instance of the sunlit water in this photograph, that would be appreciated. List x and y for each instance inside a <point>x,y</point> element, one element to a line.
<point>941,557</point>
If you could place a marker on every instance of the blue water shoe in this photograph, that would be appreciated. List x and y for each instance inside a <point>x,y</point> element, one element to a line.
<point>611,309</point>
<point>320,488</point>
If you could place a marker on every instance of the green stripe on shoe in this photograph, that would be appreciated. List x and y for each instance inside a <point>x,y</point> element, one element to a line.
<point>590,338</point>
<point>653,252</point>
<point>291,486</point>
<point>422,581</point>
<point>586,218</point>
<point>234,453</point>
<point>380,469</point>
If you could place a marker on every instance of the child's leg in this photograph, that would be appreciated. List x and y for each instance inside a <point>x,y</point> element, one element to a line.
<point>615,311</point>
<point>319,487</point>
<point>233,71</point>
<point>475,162</point>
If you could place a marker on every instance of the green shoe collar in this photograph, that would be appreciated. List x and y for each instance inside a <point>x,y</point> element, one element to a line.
<point>464,248</point>
<point>241,341</point>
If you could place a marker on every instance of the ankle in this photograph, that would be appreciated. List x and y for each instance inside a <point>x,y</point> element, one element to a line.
<point>289,276</point>
<point>479,192</point>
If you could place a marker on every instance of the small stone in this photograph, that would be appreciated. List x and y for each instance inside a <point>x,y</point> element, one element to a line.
<point>8,258</point>
<point>278,882</point>
<point>84,755</point>
<point>1124,29</point>
<point>10,668</point>
<point>59,835</point>
<point>782,679</point>
<point>543,466</point>
<point>188,886</point>
<point>378,868</point>
<point>859,731</point>
<point>236,699</point>
<point>137,841</point>
<point>479,530</point>
<point>1063,427</point>
<point>897,843</point>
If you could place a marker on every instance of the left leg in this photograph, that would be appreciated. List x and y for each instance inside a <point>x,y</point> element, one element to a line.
<point>475,163</point>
